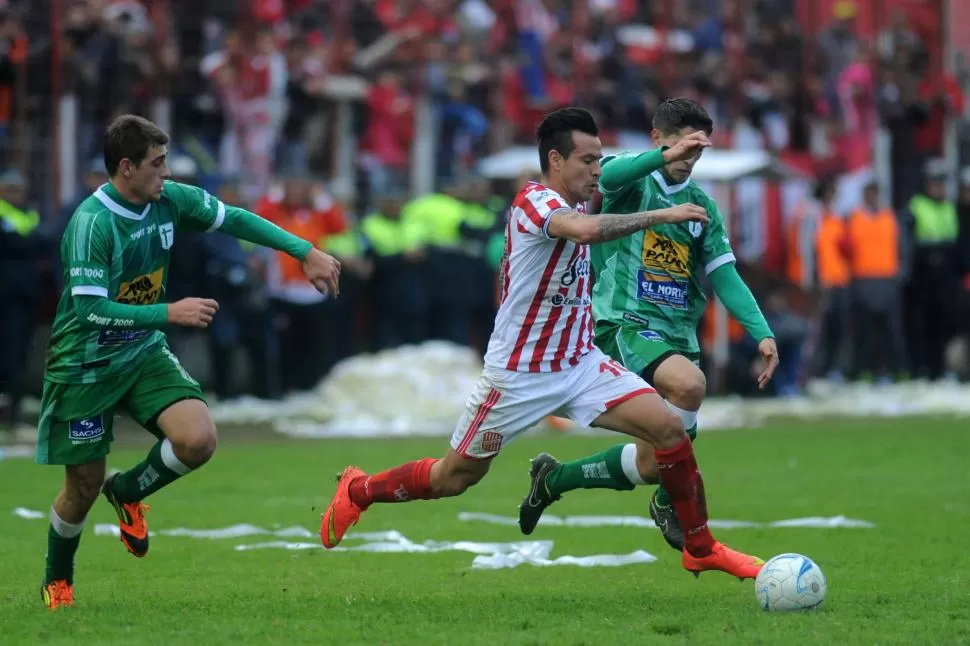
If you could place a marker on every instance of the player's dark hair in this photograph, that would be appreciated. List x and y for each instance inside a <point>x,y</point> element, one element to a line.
<point>673,115</point>
<point>556,132</point>
<point>130,137</point>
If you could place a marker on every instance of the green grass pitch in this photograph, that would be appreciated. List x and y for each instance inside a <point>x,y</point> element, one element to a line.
<point>905,582</point>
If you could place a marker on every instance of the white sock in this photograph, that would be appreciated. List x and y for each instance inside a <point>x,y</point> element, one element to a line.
<point>687,417</point>
<point>64,528</point>
<point>169,459</point>
<point>628,460</point>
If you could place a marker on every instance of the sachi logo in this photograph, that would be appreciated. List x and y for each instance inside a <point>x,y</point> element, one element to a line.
<point>578,269</point>
<point>90,429</point>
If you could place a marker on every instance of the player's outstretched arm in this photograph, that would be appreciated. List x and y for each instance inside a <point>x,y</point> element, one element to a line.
<point>593,229</point>
<point>98,312</point>
<point>740,302</point>
<point>621,171</point>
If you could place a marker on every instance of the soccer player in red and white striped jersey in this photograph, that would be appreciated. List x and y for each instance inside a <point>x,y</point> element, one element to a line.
<point>541,358</point>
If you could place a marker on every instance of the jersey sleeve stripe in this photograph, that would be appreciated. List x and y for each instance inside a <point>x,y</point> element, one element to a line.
<point>220,217</point>
<point>720,261</point>
<point>532,213</point>
<point>89,290</point>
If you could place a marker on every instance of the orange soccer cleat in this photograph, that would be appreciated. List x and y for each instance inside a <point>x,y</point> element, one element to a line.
<point>343,513</point>
<point>131,520</point>
<point>725,559</point>
<point>57,594</point>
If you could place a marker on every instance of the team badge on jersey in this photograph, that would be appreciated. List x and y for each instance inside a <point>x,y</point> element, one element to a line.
<point>167,233</point>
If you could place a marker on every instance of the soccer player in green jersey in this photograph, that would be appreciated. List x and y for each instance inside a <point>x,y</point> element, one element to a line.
<point>648,300</point>
<point>108,349</point>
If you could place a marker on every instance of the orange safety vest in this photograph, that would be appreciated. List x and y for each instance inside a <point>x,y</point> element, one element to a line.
<point>830,240</point>
<point>794,269</point>
<point>874,244</point>
<point>306,223</point>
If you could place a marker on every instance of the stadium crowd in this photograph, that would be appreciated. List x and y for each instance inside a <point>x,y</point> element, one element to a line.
<point>249,89</point>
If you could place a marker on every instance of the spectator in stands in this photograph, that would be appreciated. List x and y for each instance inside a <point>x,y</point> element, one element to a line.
<point>302,310</point>
<point>386,145</point>
<point>236,278</point>
<point>902,113</point>
<point>874,249</point>
<point>401,283</point>
<point>934,279</point>
<point>791,330</point>
<point>23,247</point>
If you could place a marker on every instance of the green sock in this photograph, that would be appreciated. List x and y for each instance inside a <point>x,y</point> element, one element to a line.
<point>61,549</point>
<point>159,469</point>
<point>663,498</point>
<point>603,470</point>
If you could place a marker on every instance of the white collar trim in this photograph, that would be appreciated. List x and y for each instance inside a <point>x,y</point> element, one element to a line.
<point>669,189</point>
<point>117,209</point>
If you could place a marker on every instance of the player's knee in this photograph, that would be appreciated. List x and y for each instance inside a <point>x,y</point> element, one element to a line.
<point>196,448</point>
<point>688,390</point>
<point>669,432</point>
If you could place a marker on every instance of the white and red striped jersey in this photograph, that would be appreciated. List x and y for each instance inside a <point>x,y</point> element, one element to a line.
<point>545,320</point>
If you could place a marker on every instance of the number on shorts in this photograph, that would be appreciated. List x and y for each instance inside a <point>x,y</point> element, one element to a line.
<point>612,367</point>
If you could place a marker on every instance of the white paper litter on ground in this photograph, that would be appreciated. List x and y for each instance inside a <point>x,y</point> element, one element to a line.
<point>551,520</point>
<point>421,391</point>
<point>29,514</point>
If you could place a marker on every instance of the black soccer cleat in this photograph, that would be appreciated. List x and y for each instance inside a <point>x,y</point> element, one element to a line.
<point>530,511</point>
<point>666,519</point>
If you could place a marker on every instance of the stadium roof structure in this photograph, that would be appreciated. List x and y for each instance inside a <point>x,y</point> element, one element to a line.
<point>714,166</point>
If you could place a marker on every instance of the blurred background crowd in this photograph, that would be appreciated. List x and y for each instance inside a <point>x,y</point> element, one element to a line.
<point>360,125</point>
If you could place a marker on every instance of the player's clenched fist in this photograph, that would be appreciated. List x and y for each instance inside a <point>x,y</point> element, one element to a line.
<point>192,312</point>
<point>323,271</point>
<point>685,213</point>
<point>687,147</point>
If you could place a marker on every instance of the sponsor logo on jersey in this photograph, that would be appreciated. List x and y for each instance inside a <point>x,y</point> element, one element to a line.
<point>558,300</point>
<point>119,337</point>
<point>86,431</point>
<point>663,255</point>
<point>661,289</point>
<point>142,290</point>
<point>86,272</point>
<point>576,270</point>
<point>650,335</point>
<point>142,232</point>
<point>636,318</point>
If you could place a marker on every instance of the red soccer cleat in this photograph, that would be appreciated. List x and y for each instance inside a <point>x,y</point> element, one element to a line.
<point>57,594</point>
<point>342,514</point>
<point>725,559</point>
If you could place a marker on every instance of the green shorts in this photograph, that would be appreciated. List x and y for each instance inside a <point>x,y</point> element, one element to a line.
<point>76,420</point>
<point>639,350</point>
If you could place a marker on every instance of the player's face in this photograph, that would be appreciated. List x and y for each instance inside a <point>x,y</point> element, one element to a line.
<point>581,170</point>
<point>147,178</point>
<point>678,171</point>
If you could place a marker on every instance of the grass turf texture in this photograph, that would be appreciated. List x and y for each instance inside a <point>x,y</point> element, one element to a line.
<point>905,582</point>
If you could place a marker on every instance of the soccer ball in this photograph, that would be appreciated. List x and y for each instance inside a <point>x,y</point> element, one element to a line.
<point>790,582</point>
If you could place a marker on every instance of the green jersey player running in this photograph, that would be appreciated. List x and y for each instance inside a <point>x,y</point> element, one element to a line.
<point>648,300</point>
<point>108,350</point>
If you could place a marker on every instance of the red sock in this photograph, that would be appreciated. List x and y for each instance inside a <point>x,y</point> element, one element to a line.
<point>411,481</point>
<point>682,480</point>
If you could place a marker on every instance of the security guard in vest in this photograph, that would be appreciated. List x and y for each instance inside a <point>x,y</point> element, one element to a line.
<point>23,247</point>
<point>833,276</point>
<point>934,280</point>
<point>481,221</point>
<point>349,247</point>
<point>398,249</point>
<point>873,233</point>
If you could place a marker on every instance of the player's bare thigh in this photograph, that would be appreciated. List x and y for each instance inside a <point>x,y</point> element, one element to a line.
<point>647,418</point>
<point>680,382</point>
<point>454,473</point>
<point>189,427</point>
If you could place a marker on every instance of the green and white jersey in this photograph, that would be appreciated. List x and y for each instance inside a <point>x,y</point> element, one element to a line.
<point>117,250</point>
<point>653,277</point>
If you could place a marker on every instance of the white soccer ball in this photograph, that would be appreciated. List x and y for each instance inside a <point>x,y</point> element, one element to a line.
<point>790,582</point>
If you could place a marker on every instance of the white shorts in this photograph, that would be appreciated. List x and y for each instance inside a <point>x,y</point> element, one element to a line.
<point>506,403</point>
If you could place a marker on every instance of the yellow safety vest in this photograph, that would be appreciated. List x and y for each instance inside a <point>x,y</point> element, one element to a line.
<point>935,221</point>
